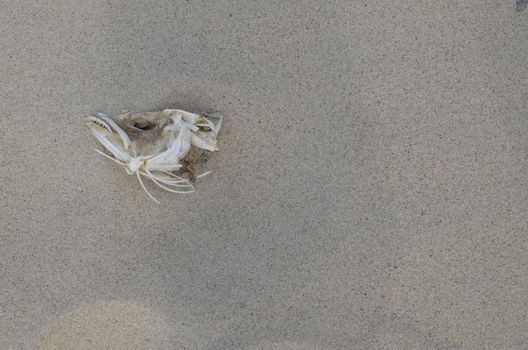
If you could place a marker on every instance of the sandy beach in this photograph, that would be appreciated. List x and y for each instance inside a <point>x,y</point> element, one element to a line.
<point>370,191</point>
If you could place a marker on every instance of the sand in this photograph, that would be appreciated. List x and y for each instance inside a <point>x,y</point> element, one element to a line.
<point>370,191</point>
